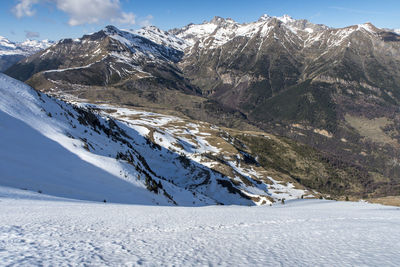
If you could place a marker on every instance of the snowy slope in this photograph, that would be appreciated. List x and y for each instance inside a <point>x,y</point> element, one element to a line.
<point>203,156</point>
<point>161,37</point>
<point>148,44</point>
<point>48,146</point>
<point>40,230</point>
<point>147,158</point>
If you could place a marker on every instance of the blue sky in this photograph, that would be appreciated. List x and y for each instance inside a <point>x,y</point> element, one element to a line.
<point>56,19</point>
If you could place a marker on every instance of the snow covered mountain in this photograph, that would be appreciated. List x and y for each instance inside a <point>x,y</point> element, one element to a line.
<point>219,31</point>
<point>313,84</point>
<point>25,48</point>
<point>6,44</point>
<point>109,57</point>
<point>68,151</point>
<point>162,37</point>
<point>11,52</point>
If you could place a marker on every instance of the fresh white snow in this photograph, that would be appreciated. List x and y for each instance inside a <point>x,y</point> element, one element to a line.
<point>39,230</point>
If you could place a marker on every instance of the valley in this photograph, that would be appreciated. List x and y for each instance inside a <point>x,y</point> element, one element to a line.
<point>310,86</point>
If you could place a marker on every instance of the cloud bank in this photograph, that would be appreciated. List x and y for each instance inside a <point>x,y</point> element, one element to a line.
<point>30,35</point>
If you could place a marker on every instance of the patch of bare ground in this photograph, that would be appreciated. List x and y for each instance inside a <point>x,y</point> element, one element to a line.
<point>372,129</point>
<point>389,200</point>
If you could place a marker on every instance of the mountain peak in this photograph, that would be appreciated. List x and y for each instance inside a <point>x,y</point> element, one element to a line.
<point>264,17</point>
<point>110,29</point>
<point>217,19</point>
<point>151,28</point>
<point>220,21</point>
<point>368,26</point>
<point>286,18</point>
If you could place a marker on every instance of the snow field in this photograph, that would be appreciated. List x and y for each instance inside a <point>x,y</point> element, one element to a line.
<point>47,231</point>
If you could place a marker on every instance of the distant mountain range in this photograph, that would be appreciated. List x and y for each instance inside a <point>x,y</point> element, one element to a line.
<point>337,91</point>
<point>11,52</point>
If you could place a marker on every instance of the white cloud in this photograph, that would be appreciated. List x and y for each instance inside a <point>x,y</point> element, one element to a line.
<point>125,18</point>
<point>146,21</point>
<point>24,8</point>
<point>81,11</point>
